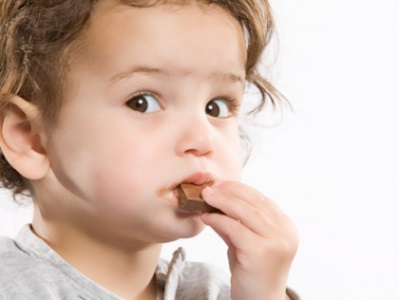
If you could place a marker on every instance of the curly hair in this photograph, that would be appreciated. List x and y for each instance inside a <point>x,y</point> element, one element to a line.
<point>36,37</point>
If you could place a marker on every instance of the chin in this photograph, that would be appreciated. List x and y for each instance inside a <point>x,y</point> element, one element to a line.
<point>187,229</point>
<point>193,232</point>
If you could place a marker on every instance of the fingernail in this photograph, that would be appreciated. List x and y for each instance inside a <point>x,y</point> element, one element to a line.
<point>208,190</point>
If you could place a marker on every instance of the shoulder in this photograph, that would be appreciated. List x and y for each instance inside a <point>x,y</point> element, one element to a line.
<point>11,257</point>
<point>14,261</point>
<point>24,275</point>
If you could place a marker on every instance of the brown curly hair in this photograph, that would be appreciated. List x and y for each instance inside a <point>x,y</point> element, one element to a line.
<point>36,37</point>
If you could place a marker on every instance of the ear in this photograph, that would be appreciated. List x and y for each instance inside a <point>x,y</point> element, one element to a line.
<point>20,140</point>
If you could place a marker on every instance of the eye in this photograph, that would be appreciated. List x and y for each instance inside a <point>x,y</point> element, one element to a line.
<point>218,108</point>
<point>144,103</point>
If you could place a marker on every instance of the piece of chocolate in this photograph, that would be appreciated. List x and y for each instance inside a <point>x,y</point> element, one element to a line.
<point>190,198</point>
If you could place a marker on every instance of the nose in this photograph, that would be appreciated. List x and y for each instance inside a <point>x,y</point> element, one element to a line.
<point>196,137</point>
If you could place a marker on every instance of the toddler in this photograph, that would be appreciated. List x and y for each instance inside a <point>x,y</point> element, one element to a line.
<point>107,106</point>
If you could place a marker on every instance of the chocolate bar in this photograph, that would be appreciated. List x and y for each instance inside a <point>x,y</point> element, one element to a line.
<point>191,200</point>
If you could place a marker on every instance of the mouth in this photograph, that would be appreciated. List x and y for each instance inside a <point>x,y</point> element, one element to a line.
<point>171,193</point>
<point>198,179</point>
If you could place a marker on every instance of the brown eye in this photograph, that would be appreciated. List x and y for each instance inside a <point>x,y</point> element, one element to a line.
<point>218,108</point>
<point>144,103</point>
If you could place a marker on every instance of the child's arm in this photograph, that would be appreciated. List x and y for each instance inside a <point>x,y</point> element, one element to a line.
<point>261,240</point>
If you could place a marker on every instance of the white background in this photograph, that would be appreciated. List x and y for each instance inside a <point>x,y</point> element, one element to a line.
<point>332,164</point>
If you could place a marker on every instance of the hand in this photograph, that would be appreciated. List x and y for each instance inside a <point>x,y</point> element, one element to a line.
<point>262,241</point>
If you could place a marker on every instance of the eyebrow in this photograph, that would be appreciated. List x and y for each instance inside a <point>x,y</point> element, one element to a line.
<point>149,71</point>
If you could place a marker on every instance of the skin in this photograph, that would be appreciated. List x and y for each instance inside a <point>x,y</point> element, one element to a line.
<point>105,192</point>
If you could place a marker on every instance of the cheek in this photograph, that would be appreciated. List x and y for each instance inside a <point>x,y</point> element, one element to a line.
<point>236,164</point>
<point>230,156</point>
<point>99,167</point>
<point>122,169</point>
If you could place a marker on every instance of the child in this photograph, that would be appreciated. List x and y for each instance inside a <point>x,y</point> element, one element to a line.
<point>106,107</point>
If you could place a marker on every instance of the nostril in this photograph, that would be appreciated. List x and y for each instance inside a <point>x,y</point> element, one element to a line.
<point>198,152</point>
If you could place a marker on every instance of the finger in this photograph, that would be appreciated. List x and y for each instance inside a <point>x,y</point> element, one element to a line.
<point>256,219</point>
<point>254,198</point>
<point>232,231</point>
<point>221,234</point>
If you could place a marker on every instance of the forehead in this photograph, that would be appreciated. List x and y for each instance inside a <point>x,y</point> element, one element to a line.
<point>174,35</point>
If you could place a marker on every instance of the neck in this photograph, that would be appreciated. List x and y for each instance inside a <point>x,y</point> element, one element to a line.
<point>127,271</point>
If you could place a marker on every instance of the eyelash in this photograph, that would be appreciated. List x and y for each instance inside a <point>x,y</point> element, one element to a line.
<point>233,103</point>
<point>144,94</point>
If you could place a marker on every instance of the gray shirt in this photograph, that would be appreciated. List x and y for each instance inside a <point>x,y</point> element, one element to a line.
<point>30,269</point>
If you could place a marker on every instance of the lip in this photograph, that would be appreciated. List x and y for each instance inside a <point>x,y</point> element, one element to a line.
<point>198,178</point>
<point>171,193</point>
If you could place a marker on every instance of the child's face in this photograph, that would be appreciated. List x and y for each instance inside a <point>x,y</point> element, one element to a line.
<point>135,123</point>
